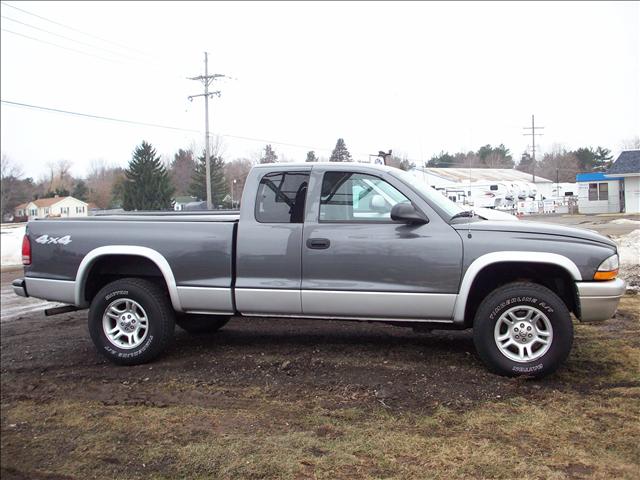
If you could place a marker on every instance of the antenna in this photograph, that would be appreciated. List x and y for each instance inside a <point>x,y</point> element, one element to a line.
<point>469,190</point>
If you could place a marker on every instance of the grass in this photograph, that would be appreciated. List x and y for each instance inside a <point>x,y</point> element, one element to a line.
<point>582,423</point>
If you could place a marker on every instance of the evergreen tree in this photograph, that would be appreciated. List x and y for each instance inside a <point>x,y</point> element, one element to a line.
<point>586,157</point>
<point>80,191</point>
<point>602,159</point>
<point>340,153</point>
<point>442,160</point>
<point>219,187</point>
<point>311,156</point>
<point>269,155</point>
<point>526,163</point>
<point>148,186</point>
<point>495,157</point>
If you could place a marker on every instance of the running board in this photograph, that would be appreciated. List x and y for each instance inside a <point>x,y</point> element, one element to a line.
<point>58,310</point>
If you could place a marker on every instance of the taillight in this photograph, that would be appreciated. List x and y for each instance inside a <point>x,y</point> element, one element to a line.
<point>26,250</point>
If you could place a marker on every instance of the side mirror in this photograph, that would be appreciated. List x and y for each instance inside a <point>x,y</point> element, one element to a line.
<point>407,213</point>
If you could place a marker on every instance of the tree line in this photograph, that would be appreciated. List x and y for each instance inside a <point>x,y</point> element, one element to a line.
<point>559,163</point>
<point>152,183</point>
<point>148,182</point>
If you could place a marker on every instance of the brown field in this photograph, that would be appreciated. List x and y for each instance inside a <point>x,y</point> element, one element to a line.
<point>315,399</point>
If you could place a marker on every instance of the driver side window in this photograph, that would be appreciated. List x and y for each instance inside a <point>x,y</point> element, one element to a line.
<point>357,197</point>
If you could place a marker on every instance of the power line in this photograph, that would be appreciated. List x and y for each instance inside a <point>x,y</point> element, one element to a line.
<point>65,37</point>
<point>155,125</point>
<point>98,117</point>
<point>155,66</point>
<point>126,47</point>
<point>59,46</point>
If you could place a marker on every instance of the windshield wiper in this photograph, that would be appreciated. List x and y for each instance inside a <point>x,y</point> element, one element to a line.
<point>464,213</point>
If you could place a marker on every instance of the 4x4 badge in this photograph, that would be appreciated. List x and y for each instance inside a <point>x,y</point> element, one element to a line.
<point>47,240</point>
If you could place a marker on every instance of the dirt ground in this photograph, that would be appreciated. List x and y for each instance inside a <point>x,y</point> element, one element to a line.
<point>314,399</point>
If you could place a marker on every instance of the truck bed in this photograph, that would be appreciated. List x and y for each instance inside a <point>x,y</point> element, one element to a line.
<point>170,216</point>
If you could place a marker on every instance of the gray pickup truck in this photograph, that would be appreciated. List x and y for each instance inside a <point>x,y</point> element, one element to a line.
<point>342,241</point>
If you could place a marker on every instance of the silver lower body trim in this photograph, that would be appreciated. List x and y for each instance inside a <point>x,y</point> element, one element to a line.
<point>209,300</point>
<point>268,301</point>
<point>362,319</point>
<point>378,305</point>
<point>63,291</point>
<point>599,300</point>
<point>344,305</point>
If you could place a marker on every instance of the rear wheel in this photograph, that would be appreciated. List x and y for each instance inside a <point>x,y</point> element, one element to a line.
<point>131,321</point>
<point>199,324</point>
<point>523,329</point>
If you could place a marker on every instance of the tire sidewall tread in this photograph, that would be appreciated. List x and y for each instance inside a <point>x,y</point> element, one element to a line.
<point>159,310</point>
<point>522,293</point>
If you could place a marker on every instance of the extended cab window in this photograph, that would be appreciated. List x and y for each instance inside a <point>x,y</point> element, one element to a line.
<point>356,197</point>
<point>281,197</point>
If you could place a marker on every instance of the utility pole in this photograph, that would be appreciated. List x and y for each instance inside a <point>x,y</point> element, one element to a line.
<point>533,142</point>
<point>206,79</point>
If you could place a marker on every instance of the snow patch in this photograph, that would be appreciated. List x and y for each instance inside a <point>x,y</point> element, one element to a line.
<point>626,221</point>
<point>11,244</point>
<point>629,253</point>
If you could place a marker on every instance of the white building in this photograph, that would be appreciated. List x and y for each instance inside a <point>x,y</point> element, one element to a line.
<point>180,202</point>
<point>506,186</point>
<point>627,169</point>
<point>598,193</point>
<point>52,207</point>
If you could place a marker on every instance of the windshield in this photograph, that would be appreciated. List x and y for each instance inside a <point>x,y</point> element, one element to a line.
<point>430,194</point>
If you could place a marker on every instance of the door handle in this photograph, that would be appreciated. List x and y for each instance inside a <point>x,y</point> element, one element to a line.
<point>318,243</point>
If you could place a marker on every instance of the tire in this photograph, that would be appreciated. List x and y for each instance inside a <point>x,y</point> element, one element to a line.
<point>512,325</point>
<point>139,314</point>
<point>199,324</point>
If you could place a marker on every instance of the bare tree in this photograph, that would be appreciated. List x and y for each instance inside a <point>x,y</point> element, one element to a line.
<point>103,181</point>
<point>181,171</point>
<point>235,172</point>
<point>13,189</point>
<point>9,169</point>
<point>559,165</point>
<point>632,143</point>
<point>58,178</point>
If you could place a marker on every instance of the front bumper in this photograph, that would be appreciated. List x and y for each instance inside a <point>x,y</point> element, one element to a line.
<point>19,287</point>
<point>599,300</point>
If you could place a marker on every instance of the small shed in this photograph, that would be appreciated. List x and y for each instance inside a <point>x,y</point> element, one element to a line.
<point>598,193</point>
<point>627,169</point>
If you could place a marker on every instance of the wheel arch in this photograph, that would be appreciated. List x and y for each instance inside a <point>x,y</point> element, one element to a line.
<point>156,258</point>
<point>484,263</point>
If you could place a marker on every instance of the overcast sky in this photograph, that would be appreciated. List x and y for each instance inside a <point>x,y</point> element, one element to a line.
<point>414,77</point>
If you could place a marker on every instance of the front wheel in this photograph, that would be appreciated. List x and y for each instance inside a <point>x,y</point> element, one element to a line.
<point>523,329</point>
<point>131,321</point>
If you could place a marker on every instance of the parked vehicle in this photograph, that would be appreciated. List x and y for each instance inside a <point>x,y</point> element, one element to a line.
<point>327,240</point>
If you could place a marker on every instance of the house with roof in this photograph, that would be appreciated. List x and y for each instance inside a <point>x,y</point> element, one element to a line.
<point>627,169</point>
<point>615,191</point>
<point>50,208</point>
<point>179,203</point>
<point>598,193</point>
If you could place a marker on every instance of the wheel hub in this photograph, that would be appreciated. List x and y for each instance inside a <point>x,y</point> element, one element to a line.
<point>523,333</point>
<point>125,323</point>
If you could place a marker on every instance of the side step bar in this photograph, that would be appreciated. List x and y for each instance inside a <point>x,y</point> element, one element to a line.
<point>58,310</point>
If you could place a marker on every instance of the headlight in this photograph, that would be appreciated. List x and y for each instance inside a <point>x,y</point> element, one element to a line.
<point>608,270</point>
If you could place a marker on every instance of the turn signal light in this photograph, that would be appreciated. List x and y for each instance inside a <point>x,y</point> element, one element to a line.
<point>26,250</point>
<point>608,270</point>
<point>606,275</point>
